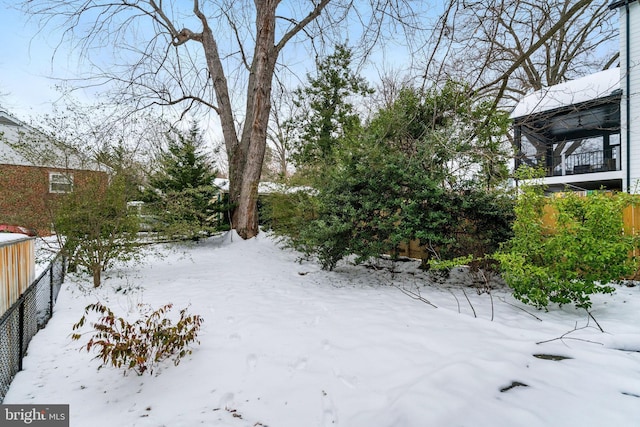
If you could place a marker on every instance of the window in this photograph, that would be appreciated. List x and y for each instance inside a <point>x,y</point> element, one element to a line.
<point>614,139</point>
<point>60,182</point>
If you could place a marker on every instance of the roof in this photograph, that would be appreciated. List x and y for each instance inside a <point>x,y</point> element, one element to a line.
<point>41,151</point>
<point>11,130</point>
<point>8,119</point>
<point>595,86</point>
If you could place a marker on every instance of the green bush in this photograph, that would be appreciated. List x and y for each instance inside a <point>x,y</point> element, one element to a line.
<point>286,213</point>
<point>141,345</point>
<point>95,226</point>
<point>371,205</point>
<point>180,193</point>
<point>579,251</point>
<point>418,170</point>
<point>380,200</point>
<point>480,221</point>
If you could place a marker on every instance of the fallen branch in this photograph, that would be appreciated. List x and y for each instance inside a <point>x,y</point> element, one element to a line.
<point>564,336</point>
<point>520,308</point>
<point>471,305</point>
<point>414,295</point>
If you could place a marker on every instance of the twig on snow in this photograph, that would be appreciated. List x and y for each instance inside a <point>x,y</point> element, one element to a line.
<point>414,295</point>
<point>491,297</point>
<point>486,288</point>
<point>457,301</point>
<point>565,337</point>
<point>471,305</point>
<point>594,319</point>
<point>520,308</point>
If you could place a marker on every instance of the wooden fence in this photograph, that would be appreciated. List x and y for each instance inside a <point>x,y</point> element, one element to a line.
<point>17,268</point>
<point>413,249</point>
<point>630,217</point>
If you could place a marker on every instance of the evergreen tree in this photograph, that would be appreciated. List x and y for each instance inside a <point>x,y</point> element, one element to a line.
<point>181,192</point>
<point>411,174</point>
<point>331,115</point>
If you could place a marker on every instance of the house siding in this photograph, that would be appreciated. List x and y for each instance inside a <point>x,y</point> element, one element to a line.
<point>25,198</point>
<point>634,75</point>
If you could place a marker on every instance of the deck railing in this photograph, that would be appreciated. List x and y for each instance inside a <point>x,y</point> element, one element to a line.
<point>578,163</point>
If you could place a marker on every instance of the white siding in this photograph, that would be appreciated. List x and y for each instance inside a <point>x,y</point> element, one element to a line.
<point>10,133</point>
<point>634,93</point>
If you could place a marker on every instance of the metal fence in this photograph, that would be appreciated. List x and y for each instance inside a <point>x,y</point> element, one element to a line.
<point>27,315</point>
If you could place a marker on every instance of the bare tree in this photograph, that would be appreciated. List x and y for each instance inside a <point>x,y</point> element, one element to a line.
<point>79,135</point>
<point>509,47</point>
<point>207,53</point>
<point>282,128</point>
<point>391,82</point>
<point>223,54</point>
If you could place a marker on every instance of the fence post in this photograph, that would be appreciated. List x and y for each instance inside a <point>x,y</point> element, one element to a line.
<point>20,332</point>
<point>51,281</point>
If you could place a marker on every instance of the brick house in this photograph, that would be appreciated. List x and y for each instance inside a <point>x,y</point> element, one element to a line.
<point>28,188</point>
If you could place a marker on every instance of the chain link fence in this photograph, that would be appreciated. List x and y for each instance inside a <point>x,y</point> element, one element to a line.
<point>22,321</point>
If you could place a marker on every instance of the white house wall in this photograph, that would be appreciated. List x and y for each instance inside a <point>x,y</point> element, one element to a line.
<point>8,155</point>
<point>634,64</point>
<point>12,131</point>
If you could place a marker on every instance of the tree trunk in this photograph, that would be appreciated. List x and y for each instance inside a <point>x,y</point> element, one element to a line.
<point>246,155</point>
<point>96,271</point>
<point>245,165</point>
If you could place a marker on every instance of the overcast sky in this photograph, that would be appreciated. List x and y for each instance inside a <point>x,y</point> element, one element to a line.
<point>25,66</point>
<point>28,72</point>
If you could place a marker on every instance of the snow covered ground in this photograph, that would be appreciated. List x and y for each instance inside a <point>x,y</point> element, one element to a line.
<point>285,344</point>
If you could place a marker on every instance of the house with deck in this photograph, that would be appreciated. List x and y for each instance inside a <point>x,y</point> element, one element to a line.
<point>585,133</point>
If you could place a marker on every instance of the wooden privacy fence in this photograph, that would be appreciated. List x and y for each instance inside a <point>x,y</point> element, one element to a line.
<point>17,268</point>
<point>630,217</point>
<point>30,312</point>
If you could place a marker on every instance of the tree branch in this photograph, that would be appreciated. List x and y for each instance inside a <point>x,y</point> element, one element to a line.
<point>300,25</point>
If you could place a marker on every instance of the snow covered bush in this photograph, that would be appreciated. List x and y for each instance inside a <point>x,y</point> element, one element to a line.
<point>141,345</point>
